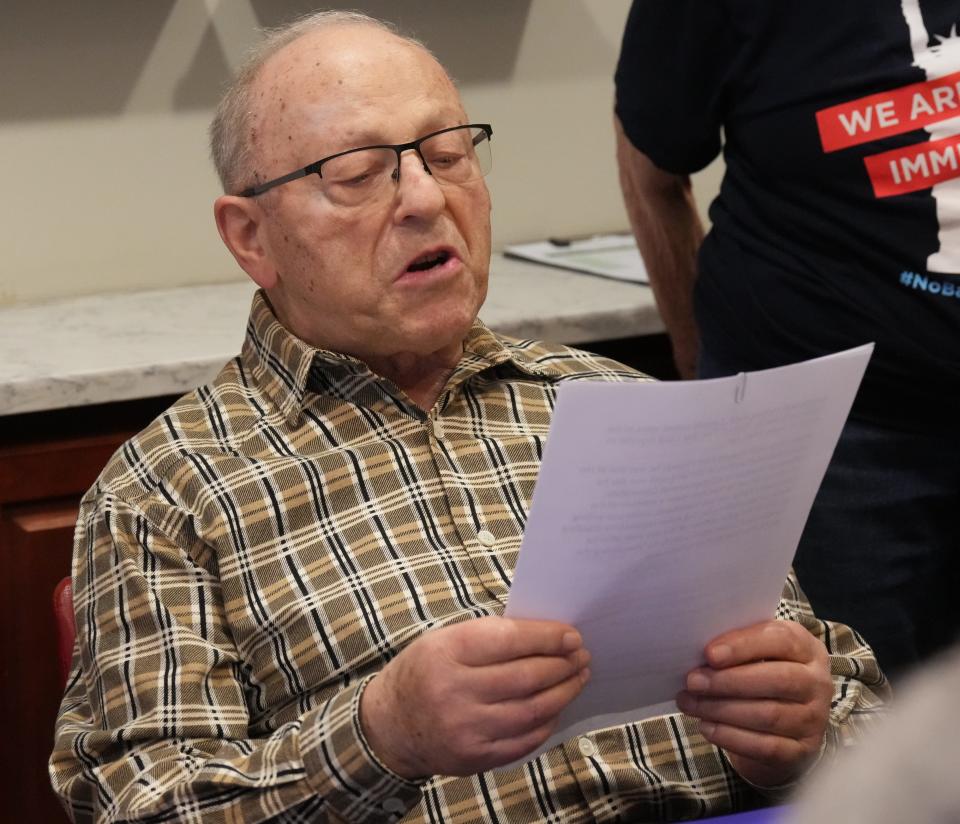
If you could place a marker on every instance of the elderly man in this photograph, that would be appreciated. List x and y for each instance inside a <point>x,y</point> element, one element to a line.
<point>289,587</point>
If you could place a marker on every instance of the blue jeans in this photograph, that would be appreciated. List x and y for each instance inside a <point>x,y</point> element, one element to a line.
<point>881,548</point>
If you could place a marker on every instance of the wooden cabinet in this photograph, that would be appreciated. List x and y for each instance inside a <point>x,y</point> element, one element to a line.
<point>47,461</point>
<point>35,548</point>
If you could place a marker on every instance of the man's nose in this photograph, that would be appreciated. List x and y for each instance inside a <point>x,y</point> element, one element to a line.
<point>418,192</point>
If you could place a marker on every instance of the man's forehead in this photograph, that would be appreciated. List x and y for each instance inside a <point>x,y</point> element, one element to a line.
<point>349,59</point>
<point>354,85</point>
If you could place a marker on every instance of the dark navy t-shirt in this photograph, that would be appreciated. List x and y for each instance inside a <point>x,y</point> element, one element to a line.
<point>838,219</point>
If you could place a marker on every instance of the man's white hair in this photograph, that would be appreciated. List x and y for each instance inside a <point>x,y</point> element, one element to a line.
<point>230,129</point>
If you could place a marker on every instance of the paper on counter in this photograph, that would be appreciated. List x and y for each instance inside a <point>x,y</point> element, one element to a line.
<point>610,256</point>
<point>667,513</point>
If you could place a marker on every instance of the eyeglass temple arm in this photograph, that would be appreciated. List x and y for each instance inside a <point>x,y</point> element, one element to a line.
<point>485,133</point>
<point>264,187</point>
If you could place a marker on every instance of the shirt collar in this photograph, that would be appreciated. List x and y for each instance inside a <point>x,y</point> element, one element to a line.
<point>287,369</point>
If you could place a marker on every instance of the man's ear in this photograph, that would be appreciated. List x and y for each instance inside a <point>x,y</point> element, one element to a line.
<point>240,223</point>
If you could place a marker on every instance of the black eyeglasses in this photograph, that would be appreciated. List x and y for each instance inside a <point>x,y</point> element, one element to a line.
<point>454,156</point>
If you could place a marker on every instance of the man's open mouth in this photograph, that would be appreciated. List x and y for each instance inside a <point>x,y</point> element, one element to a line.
<point>428,261</point>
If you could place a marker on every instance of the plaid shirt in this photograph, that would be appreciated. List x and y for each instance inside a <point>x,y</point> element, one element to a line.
<point>250,560</point>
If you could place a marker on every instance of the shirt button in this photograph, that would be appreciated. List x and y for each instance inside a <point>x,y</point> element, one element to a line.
<point>485,537</point>
<point>437,429</point>
<point>587,747</point>
<point>394,805</point>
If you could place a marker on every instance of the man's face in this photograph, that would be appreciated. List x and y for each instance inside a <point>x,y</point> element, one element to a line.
<point>343,276</point>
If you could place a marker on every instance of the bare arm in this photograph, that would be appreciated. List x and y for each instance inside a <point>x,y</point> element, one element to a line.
<point>664,219</point>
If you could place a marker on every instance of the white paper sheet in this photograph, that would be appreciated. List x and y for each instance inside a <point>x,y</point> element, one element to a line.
<point>668,513</point>
<point>610,256</point>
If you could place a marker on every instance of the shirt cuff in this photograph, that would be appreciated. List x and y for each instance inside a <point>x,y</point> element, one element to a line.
<point>343,770</point>
<point>780,792</point>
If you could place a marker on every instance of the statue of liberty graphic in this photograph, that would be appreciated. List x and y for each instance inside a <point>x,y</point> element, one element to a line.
<point>939,59</point>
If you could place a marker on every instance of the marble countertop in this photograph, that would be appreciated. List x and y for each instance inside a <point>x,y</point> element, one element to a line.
<point>117,347</point>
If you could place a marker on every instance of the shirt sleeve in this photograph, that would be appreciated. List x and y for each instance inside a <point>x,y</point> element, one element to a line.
<point>676,62</point>
<point>157,718</point>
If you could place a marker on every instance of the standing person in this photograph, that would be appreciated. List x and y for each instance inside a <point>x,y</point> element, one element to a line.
<point>837,223</point>
<point>289,588</point>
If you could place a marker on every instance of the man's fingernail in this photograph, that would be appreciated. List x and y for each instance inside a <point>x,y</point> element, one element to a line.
<point>584,675</point>
<point>707,728</point>
<point>572,641</point>
<point>720,654</point>
<point>697,682</point>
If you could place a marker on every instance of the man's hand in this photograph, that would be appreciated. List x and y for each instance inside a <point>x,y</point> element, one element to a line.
<point>764,697</point>
<point>472,696</point>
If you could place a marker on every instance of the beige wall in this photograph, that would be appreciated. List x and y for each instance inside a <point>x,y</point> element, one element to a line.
<point>104,109</point>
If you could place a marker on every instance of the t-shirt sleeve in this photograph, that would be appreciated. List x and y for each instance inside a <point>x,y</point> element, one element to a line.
<point>675,64</point>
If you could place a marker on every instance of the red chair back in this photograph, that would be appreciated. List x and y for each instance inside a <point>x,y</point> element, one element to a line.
<point>66,624</point>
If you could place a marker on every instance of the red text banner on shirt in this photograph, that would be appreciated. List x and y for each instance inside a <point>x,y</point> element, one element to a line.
<point>889,113</point>
<point>911,168</point>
